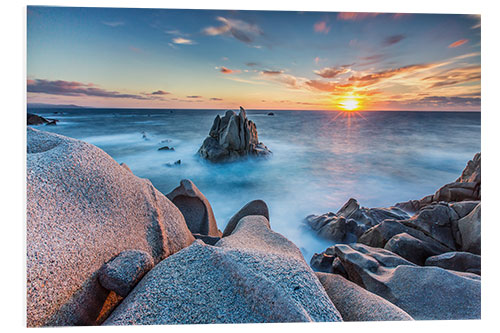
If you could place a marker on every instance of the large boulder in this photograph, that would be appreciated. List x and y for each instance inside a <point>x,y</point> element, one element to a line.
<point>231,137</point>
<point>195,207</point>
<point>255,207</point>
<point>351,221</point>
<point>357,304</point>
<point>457,261</point>
<point>411,248</point>
<point>379,235</point>
<point>423,292</point>
<point>436,221</point>
<point>83,209</point>
<point>254,275</point>
<point>470,231</point>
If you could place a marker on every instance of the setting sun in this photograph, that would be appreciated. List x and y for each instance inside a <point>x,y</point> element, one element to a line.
<point>349,104</point>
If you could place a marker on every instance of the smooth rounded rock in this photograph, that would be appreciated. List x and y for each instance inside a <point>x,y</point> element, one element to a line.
<point>357,304</point>
<point>255,207</point>
<point>195,208</point>
<point>83,209</point>
<point>123,272</point>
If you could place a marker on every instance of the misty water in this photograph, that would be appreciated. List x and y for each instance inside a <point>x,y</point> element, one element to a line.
<point>320,159</point>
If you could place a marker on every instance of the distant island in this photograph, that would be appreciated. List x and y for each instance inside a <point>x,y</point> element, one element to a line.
<point>54,106</point>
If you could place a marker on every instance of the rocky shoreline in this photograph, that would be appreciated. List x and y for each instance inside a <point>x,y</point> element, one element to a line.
<point>106,247</point>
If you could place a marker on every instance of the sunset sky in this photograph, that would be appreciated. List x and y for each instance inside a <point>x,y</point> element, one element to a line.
<point>160,58</point>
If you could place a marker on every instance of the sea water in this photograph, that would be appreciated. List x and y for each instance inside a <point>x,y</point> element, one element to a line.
<point>320,158</point>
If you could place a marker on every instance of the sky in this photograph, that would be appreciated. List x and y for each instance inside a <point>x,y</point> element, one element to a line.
<point>215,59</point>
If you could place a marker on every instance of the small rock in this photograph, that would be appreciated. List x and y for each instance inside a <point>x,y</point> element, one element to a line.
<point>123,272</point>
<point>167,148</point>
<point>176,163</point>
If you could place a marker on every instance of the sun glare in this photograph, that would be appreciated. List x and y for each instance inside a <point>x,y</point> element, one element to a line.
<point>349,104</point>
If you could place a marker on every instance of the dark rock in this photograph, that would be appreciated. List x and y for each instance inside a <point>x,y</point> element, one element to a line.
<point>270,114</point>
<point>463,208</point>
<point>232,137</point>
<point>436,221</point>
<point>466,187</point>
<point>357,304</point>
<point>379,235</point>
<point>470,231</point>
<point>322,262</point>
<point>351,221</point>
<point>423,292</point>
<point>457,261</point>
<point>176,163</point>
<point>195,207</point>
<point>33,119</point>
<point>255,207</point>
<point>210,240</point>
<point>411,248</point>
<point>123,272</point>
<point>167,148</point>
<point>252,276</point>
<point>472,172</point>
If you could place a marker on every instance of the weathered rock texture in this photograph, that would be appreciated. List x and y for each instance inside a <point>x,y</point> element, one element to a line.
<point>83,209</point>
<point>253,275</point>
<point>123,272</point>
<point>469,228</point>
<point>33,119</point>
<point>351,221</point>
<point>466,187</point>
<point>457,261</point>
<point>196,209</point>
<point>255,207</point>
<point>232,137</point>
<point>357,304</point>
<point>423,292</point>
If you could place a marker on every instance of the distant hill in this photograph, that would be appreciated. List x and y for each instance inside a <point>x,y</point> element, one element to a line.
<point>54,106</point>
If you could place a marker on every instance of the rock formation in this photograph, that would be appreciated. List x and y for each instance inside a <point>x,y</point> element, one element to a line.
<point>466,187</point>
<point>358,304</point>
<point>457,261</point>
<point>232,137</point>
<point>255,275</point>
<point>123,272</point>
<point>196,209</point>
<point>422,292</point>
<point>256,207</point>
<point>351,221</point>
<point>84,209</point>
<point>33,119</point>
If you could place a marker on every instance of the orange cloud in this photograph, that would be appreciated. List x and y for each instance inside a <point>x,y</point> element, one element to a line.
<point>321,27</point>
<point>226,70</point>
<point>458,43</point>
<point>351,16</point>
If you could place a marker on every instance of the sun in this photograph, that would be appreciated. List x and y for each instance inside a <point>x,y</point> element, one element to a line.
<point>349,104</point>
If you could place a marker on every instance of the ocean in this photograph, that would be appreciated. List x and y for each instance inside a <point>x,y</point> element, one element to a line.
<point>320,158</point>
